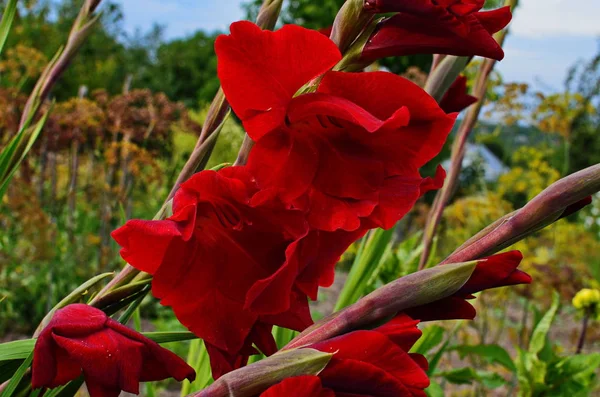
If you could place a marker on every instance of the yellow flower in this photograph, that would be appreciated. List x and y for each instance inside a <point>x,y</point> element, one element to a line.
<point>586,298</point>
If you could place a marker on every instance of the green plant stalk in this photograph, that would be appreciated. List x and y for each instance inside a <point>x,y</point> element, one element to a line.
<point>459,146</point>
<point>384,303</point>
<point>73,297</point>
<point>253,379</point>
<point>557,200</point>
<point>197,358</point>
<point>584,327</point>
<point>366,262</point>
<point>10,387</point>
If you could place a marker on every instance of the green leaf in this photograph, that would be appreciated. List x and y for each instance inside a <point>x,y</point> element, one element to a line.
<point>432,336</point>
<point>434,390</point>
<point>167,337</point>
<point>466,376</point>
<point>493,354</point>
<point>17,377</point>
<point>16,350</point>
<point>8,368</point>
<point>538,338</point>
<point>15,152</point>
<point>367,260</point>
<point>580,366</point>
<point>8,17</point>
<point>68,390</point>
<point>198,359</point>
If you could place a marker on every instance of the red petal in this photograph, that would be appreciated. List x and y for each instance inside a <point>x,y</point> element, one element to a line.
<point>457,99</point>
<point>495,20</point>
<point>297,317</point>
<point>307,106</point>
<point>496,271</point>
<point>402,330</point>
<point>260,71</point>
<point>299,386</point>
<point>573,208</point>
<point>405,34</point>
<point>145,243</point>
<point>375,361</point>
<point>396,198</point>
<point>452,308</point>
<point>383,94</point>
<point>285,162</point>
<point>107,358</point>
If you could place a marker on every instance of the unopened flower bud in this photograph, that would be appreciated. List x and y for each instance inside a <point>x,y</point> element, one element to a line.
<point>268,14</point>
<point>350,21</point>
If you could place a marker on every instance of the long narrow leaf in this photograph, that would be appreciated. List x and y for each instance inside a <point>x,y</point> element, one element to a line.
<point>538,338</point>
<point>17,377</point>
<point>10,161</point>
<point>17,350</point>
<point>7,19</point>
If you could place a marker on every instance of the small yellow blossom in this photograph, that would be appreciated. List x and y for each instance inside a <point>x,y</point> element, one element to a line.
<point>586,298</point>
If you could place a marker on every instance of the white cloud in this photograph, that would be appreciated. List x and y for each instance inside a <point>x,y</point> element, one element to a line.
<point>536,18</point>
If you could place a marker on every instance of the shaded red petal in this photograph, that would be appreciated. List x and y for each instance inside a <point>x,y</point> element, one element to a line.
<point>383,94</point>
<point>405,34</point>
<point>573,208</point>
<point>495,20</point>
<point>318,254</point>
<point>299,386</point>
<point>284,162</point>
<point>370,361</point>
<point>496,271</point>
<point>260,71</point>
<point>297,317</point>
<point>402,330</point>
<point>396,198</point>
<point>452,308</point>
<point>111,356</point>
<point>457,99</point>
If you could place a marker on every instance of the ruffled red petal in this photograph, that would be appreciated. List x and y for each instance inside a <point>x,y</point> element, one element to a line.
<point>260,71</point>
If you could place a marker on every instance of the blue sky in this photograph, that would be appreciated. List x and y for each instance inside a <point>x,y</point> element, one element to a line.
<point>547,36</point>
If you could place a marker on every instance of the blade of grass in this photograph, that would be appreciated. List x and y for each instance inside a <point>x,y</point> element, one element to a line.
<point>7,19</point>
<point>17,377</point>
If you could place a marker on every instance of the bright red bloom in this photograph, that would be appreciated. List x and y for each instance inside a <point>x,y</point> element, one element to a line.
<point>228,269</point>
<point>457,99</point>
<point>347,153</point>
<point>453,27</point>
<point>82,339</point>
<point>365,363</point>
<point>495,271</point>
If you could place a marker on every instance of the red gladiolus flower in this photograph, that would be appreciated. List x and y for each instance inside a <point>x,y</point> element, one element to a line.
<point>347,154</point>
<point>231,270</point>
<point>82,339</point>
<point>454,27</point>
<point>495,271</point>
<point>457,99</point>
<point>365,363</point>
<point>228,269</point>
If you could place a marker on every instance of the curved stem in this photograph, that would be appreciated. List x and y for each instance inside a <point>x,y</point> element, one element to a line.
<point>584,326</point>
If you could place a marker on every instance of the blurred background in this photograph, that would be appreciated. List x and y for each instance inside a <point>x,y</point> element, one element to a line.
<point>130,107</point>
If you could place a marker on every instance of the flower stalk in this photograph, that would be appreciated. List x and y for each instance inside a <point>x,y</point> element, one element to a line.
<point>560,199</point>
<point>442,77</point>
<point>255,378</point>
<point>384,303</point>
